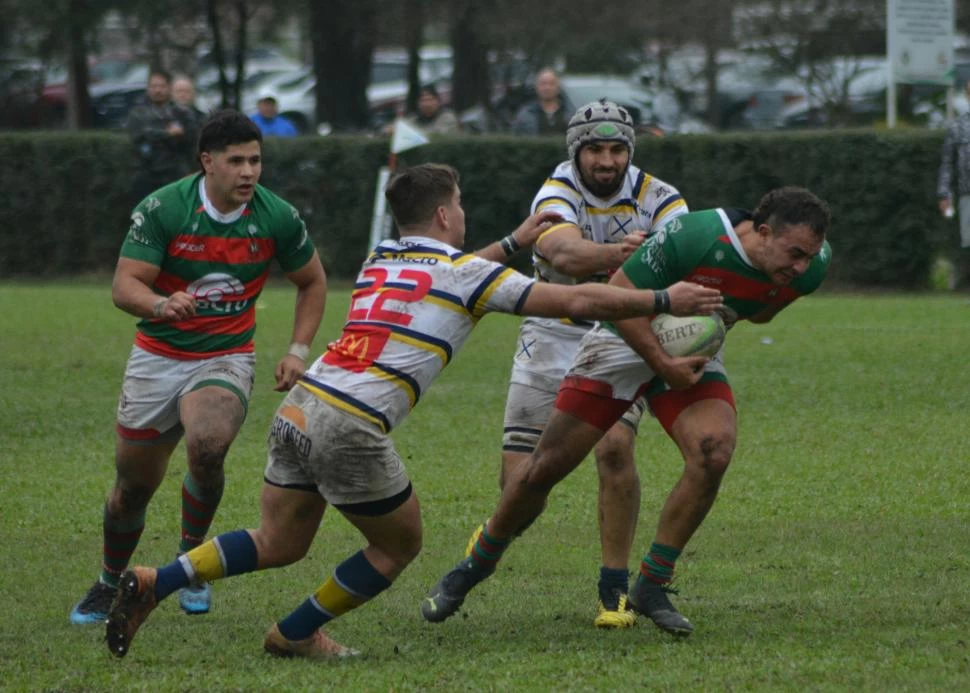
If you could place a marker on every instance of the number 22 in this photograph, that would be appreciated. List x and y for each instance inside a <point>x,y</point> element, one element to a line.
<point>377,312</point>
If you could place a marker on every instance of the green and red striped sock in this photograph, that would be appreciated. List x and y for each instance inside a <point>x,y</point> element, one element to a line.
<point>120,541</point>
<point>488,551</point>
<point>658,565</point>
<point>198,508</point>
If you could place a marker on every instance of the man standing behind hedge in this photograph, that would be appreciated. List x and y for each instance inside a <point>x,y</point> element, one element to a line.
<point>192,267</point>
<point>163,135</point>
<point>956,150</point>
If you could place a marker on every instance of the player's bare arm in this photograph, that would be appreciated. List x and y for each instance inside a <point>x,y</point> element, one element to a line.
<point>522,238</point>
<point>311,297</point>
<point>131,290</point>
<point>600,301</point>
<point>569,253</point>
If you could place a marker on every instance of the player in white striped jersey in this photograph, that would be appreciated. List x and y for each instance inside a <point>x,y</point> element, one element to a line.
<point>608,207</point>
<point>415,302</point>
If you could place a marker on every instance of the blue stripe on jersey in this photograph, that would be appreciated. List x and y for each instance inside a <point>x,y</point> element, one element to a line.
<point>405,332</point>
<point>555,198</point>
<point>637,187</point>
<point>665,204</point>
<point>423,249</point>
<point>402,376</point>
<point>352,401</point>
<point>445,296</point>
<point>564,181</point>
<point>477,293</point>
<point>625,202</point>
<point>521,302</point>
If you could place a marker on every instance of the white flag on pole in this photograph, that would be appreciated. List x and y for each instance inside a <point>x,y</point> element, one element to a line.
<point>406,136</point>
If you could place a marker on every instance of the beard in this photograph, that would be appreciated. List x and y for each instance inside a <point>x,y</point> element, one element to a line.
<point>601,188</point>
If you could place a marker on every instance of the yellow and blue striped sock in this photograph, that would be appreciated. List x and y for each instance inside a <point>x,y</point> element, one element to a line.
<point>232,553</point>
<point>354,582</point>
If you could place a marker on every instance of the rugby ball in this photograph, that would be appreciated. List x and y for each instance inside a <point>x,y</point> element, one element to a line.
<point>696,335</point>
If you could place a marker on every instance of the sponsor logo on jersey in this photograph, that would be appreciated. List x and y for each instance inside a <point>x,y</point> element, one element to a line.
<point>134,231</point>
<point>706,279</point>
<point>215,291</point>
<point>152,204</point>
<point>190,247</point>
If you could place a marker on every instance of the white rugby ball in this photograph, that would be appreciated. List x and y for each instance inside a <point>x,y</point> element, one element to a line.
<point>697,335</point>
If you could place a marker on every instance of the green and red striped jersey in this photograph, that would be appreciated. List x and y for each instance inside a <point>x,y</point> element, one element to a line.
<point>703,247</point>
<point>222,260</point>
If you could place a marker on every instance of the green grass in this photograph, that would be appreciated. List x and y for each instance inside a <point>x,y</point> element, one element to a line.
<point>837,556</point>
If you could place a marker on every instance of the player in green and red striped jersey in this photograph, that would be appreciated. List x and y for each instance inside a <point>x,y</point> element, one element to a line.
<point>192,266</point>
<point>761,262</point>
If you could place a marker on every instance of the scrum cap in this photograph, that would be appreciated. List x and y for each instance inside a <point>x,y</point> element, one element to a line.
<point>597,122</point>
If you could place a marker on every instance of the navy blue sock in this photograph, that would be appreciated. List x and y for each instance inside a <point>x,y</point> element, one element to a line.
<point>354,582</point>
<point>610,579</point>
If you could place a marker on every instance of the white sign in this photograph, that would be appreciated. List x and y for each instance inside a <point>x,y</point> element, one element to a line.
<point>919,34</point>
<point>406,136</point>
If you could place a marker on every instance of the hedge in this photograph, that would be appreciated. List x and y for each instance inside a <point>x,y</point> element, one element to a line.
<point>67,199</point>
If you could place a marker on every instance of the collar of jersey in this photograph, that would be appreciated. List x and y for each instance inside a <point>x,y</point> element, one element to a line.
<point>735,241</point>
<point>210,209</point>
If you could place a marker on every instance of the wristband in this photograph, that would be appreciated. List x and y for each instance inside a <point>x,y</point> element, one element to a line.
<point>661,301</point>
<point>509,245</point>
<point>158,307</point>
<point>301,351</point>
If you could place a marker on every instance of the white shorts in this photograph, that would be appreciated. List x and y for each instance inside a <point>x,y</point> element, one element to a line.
<point>313,445</point>
<point>153,387</point>
<point>543,357</point>
<point>607,358</point>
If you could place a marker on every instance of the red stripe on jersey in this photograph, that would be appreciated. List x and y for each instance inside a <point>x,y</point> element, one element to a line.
<point>230,251</point>
<point>160,348</point>
<point>169,283</point>
<point>219,324</point>
<point>737,286</point>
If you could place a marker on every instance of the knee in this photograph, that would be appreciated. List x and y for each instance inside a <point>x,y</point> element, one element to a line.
<point>615,464</point>
<point>206,455</point>
<point>276,552</point>
<point>712,454</point>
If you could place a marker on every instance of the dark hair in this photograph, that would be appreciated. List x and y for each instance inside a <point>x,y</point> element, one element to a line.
<point>415,193</point>
<point>429,89</point>
<point>160,72</point>
<point>227,127</point>
<point>792,206</point>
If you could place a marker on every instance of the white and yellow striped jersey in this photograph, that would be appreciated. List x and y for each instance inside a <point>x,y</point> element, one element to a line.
<point>643,203</point>
<point>414,304</point>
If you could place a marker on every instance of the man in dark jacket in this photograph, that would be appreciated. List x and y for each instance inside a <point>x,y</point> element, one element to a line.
<point>163,135</point>
<point>549,113</point>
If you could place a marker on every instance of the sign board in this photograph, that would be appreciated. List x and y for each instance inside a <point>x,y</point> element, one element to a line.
<point>919,34</point>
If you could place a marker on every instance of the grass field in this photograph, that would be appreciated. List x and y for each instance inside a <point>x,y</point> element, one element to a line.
<point>837,557</point>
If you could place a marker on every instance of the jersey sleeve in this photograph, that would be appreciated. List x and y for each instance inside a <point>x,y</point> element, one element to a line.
<point>665,258</point>
<point>558,194</point>
<point>490,287</point>
<point>293,245</point>
<point>146,239</point>
<point>815,274</point>
<point>666,201</point>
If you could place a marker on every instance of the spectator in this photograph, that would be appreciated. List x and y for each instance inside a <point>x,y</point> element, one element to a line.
<point>269,120</point>
<point>183,93</point>
<point>431,116</point>
<point>549,113</point>
<point>956,154</point>
<point>163,135</point>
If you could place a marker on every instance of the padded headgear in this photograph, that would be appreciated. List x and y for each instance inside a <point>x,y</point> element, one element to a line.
<point>599,121</point>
